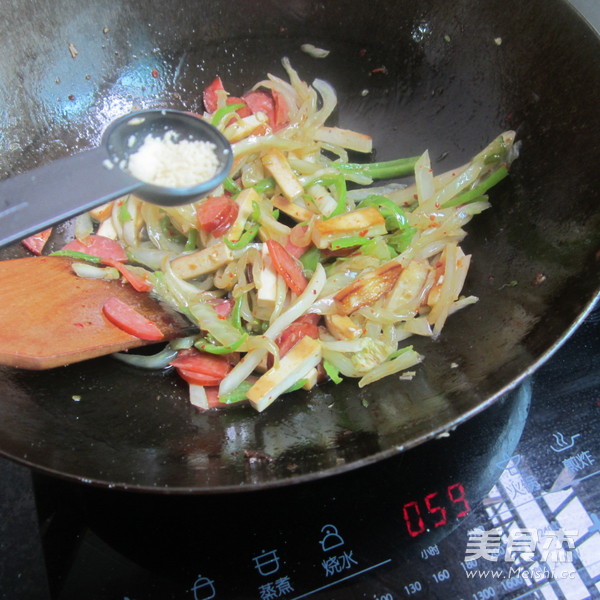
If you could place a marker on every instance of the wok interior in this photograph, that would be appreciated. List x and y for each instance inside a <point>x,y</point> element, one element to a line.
<point>444,76</point>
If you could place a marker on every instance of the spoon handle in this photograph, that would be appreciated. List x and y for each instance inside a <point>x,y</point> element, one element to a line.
<point>55,192</point>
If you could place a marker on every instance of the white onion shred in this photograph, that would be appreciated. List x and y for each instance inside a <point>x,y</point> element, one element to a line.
<point>198,397</point>
<point>314,51</point>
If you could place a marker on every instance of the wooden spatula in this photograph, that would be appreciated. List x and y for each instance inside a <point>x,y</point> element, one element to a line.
<point>49,317</point>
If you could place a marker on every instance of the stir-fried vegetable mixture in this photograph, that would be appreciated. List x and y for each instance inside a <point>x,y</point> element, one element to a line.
<point>298,270</point>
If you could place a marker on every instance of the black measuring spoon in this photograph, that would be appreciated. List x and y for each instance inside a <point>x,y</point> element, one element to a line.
<point>53,193</point>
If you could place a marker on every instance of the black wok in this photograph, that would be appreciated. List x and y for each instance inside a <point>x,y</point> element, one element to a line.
<point>448,76</point>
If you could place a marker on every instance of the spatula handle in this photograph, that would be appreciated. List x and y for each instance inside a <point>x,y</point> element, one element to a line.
<point>55,192</point>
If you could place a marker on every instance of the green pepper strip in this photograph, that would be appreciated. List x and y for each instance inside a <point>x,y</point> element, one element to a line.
<point>310,259</point>
<point>393,214</point>
<point>395,218</point>
<point>401,240</point>
<point>332,372</point>
<point>192,240</point>
<point>237,395</point>
<point>339,183</point>
<point>124,214</point>
<point>479,190</point>
<point>165,225</point>
<point>203,345</point>
<point>223,112</point>
<point>236,314</point>
<point>245,238</point>
<point>169,231</point>
<point>231,186</point>
<point>255,214</point>
<point>295,386</point>
<point>348,242</point>
<point>77,255</point>
<point>381,170</point>
<point>397,353</point>
<point>265,185</point>
<point>249,234</point>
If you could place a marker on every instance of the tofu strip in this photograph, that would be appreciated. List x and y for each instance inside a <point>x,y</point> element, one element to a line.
<point>208,260</point>
<point>266,290</point>
<point>278,166</point>
<point>298,213</point>
<point>367,222</point>
<point>297,363</point>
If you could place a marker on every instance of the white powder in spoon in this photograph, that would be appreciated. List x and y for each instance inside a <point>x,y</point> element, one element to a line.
<point>170,162</point>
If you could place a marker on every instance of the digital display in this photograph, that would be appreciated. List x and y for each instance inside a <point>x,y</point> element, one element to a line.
<point>432,510</point>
